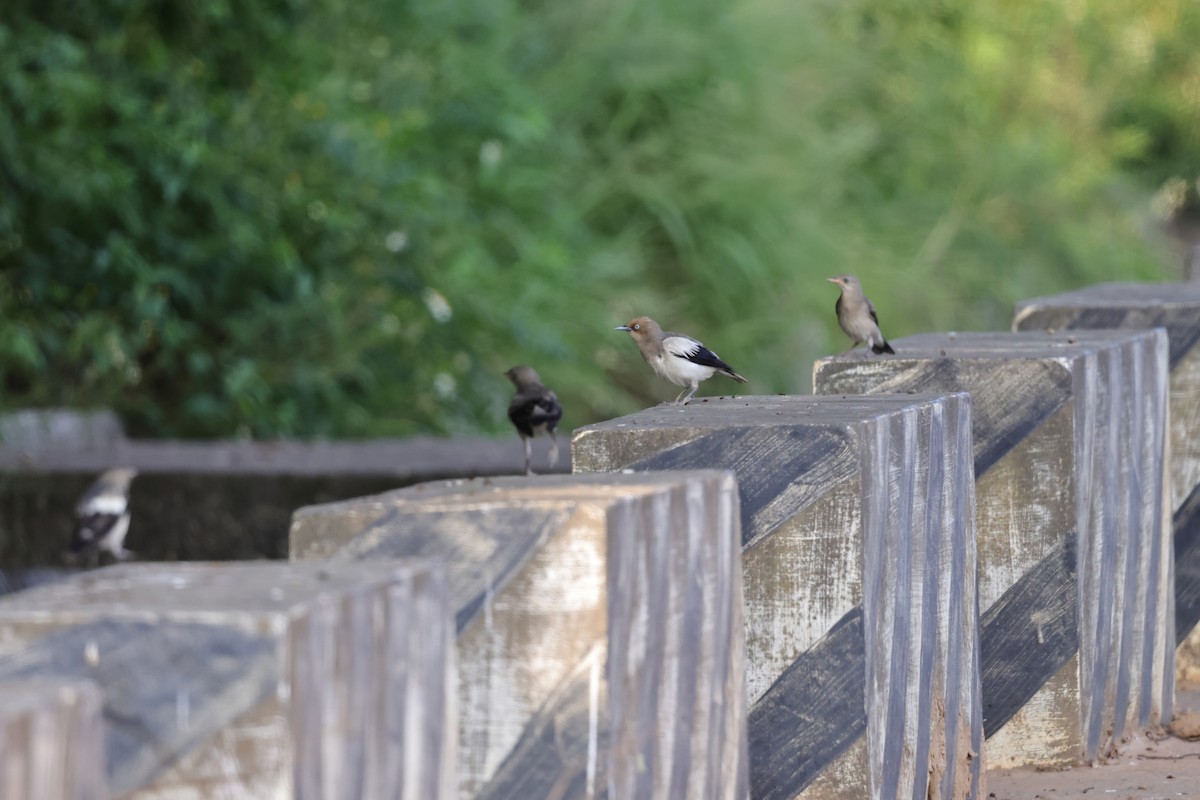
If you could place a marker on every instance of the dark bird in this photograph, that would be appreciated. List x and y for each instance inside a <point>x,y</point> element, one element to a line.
<point>102,517</point>
<point>679,358</point>
<point>534,409</point>
<point>856,314</point>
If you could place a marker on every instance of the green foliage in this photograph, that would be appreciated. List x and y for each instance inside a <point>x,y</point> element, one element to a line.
<point>322,217</point>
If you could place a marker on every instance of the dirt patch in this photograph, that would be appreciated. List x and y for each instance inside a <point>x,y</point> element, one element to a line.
<point>1148,766</point>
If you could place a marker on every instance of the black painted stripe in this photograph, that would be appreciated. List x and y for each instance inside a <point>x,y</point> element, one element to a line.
<point>767,461</point>
<point>514,534</point>
<point>811,714</point>
<point>1186,525</point>
<point>142,669</point>
<point>995,438</point>
<point>1183,329</point>
<point>1028,635</point>
<point>1009,398</point>
<point>550,758</point>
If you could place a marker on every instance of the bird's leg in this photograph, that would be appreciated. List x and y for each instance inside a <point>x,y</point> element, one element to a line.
<point>688,396</point>
<point>553,449</point>
<point>93,559</point>
<point>528,455</point>
<point>850,349</point>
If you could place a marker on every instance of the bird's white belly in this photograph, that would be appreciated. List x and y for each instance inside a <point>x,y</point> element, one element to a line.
<point>680,371</point>
<point>116,535</point>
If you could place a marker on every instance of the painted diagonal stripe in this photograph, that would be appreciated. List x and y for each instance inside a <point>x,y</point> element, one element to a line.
<point>811,714</point>
<point>551,758</point>
<point>148,673</point>
<point>767,461</point>
<point>1028,635</point>
<point>486,546</point>
<point>1183,325</point>
<point>1186,525</point>
<point>1009,398</point>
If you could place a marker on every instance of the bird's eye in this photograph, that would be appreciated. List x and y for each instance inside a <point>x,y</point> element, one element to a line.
<point>637,327</point>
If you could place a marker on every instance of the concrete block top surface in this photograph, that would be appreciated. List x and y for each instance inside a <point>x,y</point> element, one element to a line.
<point>512,490</point>
<point>194,592</point>
<point>1126,306</point>
<point>997,345</point>
<point>491,507</point>
<point>809,428</point>
<point>1016,380</point>
<point>472,525</point>
<point>1123,295</point>
<point>763,410</point>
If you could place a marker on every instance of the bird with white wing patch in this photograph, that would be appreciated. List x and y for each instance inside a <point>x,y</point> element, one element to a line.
<point>677,357</point>
<point>102,517</point>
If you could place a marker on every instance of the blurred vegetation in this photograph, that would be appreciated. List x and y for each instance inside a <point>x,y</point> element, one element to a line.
<point>336,218</point>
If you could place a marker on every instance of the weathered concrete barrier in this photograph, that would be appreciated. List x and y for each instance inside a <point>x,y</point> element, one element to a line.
<point>600,636</point>
<point>859,570</point>
<point>1074,541</point>
<point>212,500</point>
<point>1175,307</point>
<point>50,741</point>
<point>253,680</point>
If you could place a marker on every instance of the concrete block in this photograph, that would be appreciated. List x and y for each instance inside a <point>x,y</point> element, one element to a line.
<point>600,637</point>
<point>51,743</point>
<point>35,429</point>
<point>219,500</point>
<point>859,570</point>
<point>1133,306</point>
<point>1074,541</point>
<point>252,680</point>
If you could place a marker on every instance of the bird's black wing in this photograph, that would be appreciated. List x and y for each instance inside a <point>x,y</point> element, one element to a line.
<point>871,308</point>
<point>530,410</point>
<point>97,512</point>
<point>686,347</point>
<point>90,530</point>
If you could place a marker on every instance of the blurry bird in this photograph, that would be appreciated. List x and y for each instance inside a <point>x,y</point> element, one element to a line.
<point>676,356</point>
<point>102,517</point>
<point>534,409</point>
<point>856,315</point>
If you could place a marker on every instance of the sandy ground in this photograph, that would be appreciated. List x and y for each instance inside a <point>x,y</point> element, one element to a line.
<point>1147,767</point>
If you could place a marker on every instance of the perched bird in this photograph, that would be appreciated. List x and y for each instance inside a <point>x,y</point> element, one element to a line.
<point>856,315</point>
<point>102,517</point>
<point>534,409</point>
<point>676,356</point>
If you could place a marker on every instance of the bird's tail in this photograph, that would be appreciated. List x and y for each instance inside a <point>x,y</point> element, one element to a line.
<point>734,375</point>
<point>883,348</point>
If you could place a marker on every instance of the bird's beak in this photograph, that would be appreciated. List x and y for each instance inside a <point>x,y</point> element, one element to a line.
<point>833,280</point>
<point>622,328</point>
